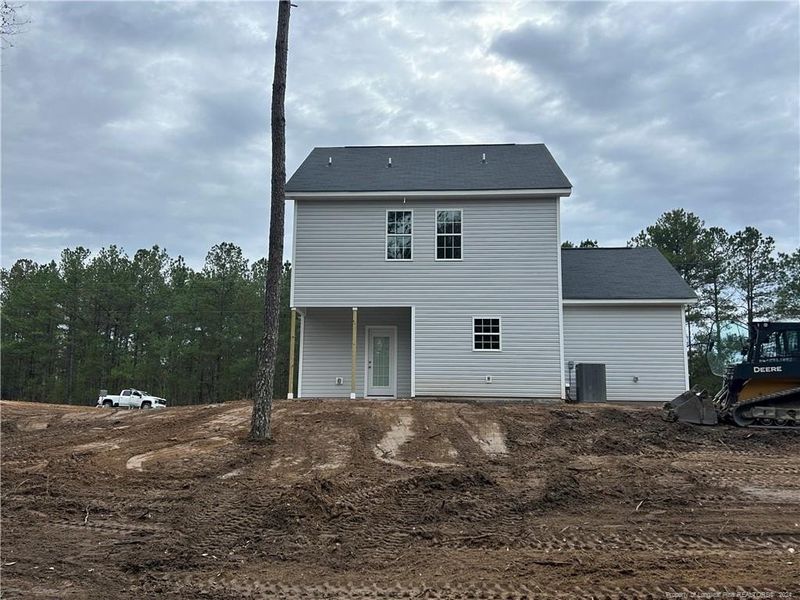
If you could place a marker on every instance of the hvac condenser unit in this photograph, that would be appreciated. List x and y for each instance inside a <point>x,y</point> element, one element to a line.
<point>590,381</point>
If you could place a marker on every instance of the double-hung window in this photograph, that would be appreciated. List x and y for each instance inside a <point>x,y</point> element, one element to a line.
<point>399,234</point>
<point>486,333</point>
<point>448,234</point>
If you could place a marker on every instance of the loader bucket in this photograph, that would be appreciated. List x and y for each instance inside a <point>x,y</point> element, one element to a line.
<point>691,407</point>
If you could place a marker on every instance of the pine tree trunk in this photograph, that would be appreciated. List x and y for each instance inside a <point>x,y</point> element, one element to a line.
<point>260,427</point>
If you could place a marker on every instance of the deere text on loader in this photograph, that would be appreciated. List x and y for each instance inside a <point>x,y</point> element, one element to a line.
<point>761,391</point>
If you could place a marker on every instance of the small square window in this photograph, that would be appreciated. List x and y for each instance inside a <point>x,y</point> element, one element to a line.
<point>486,334</point>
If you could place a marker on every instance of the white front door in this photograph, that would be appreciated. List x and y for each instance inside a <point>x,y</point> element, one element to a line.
<point>381,361</point>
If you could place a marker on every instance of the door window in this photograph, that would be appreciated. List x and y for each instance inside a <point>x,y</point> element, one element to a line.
<point>380,361</point>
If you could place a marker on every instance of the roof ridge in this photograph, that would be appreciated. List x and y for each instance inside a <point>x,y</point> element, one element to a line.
<point>432,145</point>
<point>615,248</point>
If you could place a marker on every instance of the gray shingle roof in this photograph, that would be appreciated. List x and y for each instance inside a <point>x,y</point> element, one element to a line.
<point>428,168</point>
<point>620,274</point>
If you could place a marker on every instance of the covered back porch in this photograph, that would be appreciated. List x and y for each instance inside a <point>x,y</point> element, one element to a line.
<point>354,352</point>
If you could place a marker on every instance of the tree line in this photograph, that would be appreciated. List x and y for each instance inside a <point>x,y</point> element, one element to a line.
<point>107,321</point>
<point>738,277</point>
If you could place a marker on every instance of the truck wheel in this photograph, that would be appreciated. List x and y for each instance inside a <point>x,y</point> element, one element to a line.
<point>107,404</point>
<point>147,404</point>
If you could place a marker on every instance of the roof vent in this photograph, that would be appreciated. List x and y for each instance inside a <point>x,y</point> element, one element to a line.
<point>330,161</point>
<point>390,162</point>
<point>483,158</point>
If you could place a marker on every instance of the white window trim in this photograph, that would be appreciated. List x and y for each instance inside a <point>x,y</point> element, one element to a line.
<point>386,235</point>
<point>414,351</point>
<point>294,251</point>
<point>561,303</point>
<point>685,348</point>
<point>300,357</point>
<point>500,334</point>
<point>436,235</point>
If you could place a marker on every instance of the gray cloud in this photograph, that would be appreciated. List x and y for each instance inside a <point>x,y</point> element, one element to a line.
<point>690,105</point>
<point>144,123</point>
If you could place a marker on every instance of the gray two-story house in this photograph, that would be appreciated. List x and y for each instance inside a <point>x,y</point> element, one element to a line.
<point>437,271</point>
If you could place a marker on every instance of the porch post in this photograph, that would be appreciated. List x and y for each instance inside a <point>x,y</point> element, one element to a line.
<point>353,355</point>
<point>292,328</point>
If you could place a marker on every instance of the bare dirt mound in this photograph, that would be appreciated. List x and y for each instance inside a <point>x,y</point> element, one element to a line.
<point>359,499</point>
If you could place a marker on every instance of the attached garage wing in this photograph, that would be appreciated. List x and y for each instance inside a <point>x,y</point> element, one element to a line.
<point>641,346</point>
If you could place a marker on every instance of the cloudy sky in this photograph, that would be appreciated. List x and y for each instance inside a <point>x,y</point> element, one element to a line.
<point>141,123</point>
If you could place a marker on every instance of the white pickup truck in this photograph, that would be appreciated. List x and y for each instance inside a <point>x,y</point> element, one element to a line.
<point>130,399</point>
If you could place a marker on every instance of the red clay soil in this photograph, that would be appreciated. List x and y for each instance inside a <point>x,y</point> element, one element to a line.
<point>358,499</point>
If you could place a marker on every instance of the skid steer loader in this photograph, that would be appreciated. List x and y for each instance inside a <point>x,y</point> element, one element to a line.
<point>761,391</point>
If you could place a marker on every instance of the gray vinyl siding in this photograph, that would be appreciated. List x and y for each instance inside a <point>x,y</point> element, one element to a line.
<point>509,269</point>
<point>642,341</point>
<point>327,349</point>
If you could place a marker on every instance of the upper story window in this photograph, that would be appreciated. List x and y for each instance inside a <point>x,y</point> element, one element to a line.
<point>448,234</point>
<point>486,333</point>
<point>399,234</point>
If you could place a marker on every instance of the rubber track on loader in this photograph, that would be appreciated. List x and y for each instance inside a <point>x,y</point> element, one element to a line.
<point>737,408</point>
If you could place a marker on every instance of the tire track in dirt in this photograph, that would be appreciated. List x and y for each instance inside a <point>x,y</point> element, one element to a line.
<point>469,451</point>
<point>725,453</point>
<point>664,544</point>
<point>778,472</point>
<point>717,471</point>
<point>110,527</point>
<point>784,481</point>
<point>585,500</point>
<point>231,587</point>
